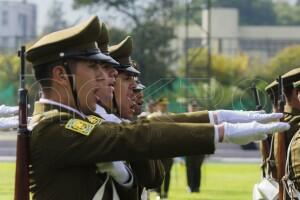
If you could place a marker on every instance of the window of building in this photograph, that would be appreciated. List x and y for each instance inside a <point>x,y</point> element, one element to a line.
<point>4,42</point>
<point>4,18</point>
<point>22,19</point>
<point>194,43</point>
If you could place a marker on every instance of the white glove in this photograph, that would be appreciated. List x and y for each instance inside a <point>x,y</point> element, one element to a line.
<point>8,110</point>
<point>116,169</point>
<point>9,122</point>
<point>245,116</point>
<point>243,133</point>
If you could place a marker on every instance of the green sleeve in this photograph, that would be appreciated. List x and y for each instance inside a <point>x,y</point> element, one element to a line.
<point>191,117</point>
<point>56,145</point>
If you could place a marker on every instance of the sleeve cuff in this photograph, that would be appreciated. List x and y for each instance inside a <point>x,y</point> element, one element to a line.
<point>211,117</point>
<point>216,134</point>
<point>129,183</point>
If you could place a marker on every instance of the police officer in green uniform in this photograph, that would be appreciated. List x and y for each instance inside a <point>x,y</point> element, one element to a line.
<point>125,82</point>
<point>268,158</point>
<point>293,173</point>
<point>104,109</point>
<point>138,98</point>
<point>148,173</point>
<point>291,108</point>
<point>68,140</point>
<point>272,92</point>
<point>291,111</point>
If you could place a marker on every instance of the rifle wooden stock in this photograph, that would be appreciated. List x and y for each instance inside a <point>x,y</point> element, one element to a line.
<point>22,156</point>
<point>281,149</point>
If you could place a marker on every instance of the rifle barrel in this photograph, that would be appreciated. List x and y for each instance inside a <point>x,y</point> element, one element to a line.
<point>281,149</point>
<point>22,155</point>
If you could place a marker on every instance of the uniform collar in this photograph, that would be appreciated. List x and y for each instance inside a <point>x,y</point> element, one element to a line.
<point>291,110</point>
<point>58,104</point>
<point>108,117</point>
<point>100,110</point>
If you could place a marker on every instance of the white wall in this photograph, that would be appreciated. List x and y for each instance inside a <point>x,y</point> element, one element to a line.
<point>270,32</point>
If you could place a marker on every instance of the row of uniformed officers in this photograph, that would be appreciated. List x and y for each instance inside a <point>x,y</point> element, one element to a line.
<point>83,145</point>
<point>291,179</point>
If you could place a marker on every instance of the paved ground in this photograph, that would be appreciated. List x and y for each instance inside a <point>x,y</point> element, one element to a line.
<point>224,152</point>
<point>8,145</point>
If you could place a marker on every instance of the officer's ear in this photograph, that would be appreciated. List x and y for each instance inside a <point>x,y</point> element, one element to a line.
<point>59,75</point>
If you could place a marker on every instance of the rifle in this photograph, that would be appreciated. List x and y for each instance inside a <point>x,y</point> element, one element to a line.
<point>22,156</point>
<point>265,143</point>
<point>256,97</point>
<point>281,141</point>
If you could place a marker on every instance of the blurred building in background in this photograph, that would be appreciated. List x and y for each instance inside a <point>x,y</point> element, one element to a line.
<point>230,38</point>
<point>17,24</point>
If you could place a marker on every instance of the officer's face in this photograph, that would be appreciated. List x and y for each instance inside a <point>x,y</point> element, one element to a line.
<point>106,86</point>
<point>93,79</point>
<point>124,94</point>
<point>139,100</point>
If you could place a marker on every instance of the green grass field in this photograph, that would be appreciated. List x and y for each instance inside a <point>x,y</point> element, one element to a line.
<point>220,182</point>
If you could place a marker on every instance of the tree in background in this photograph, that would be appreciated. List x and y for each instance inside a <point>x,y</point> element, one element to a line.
<point>287,14</point>
<point>224,68</point>
<point>55,18</point>
<point>282,62</point>
<point>116,35</point>
<point>151,31</point>
<point>9,81</point>
<point>228,86</point>
<point>9,76</point>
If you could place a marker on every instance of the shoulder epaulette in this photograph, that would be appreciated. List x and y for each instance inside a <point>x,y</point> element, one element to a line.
<point>80,126</point>
<point>94,119</point>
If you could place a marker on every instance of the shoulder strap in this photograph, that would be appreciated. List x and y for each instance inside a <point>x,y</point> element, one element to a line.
<point>270,161</point>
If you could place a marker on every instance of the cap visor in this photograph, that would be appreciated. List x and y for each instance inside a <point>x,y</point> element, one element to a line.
<point>133,70</point>
<point>130,70</point>
<point>103,58</point>
<point>139,87</point>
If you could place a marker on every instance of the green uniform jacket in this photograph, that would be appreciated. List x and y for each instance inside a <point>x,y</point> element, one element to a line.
<point>295,152</point>
<point>63,160</point>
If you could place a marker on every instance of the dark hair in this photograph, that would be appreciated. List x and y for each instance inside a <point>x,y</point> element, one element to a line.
<point>43,74</point>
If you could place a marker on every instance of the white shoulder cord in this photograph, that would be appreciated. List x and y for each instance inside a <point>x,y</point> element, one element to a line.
<point>99,194</point>
<point>287,182</point>
<point>268,160</point>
